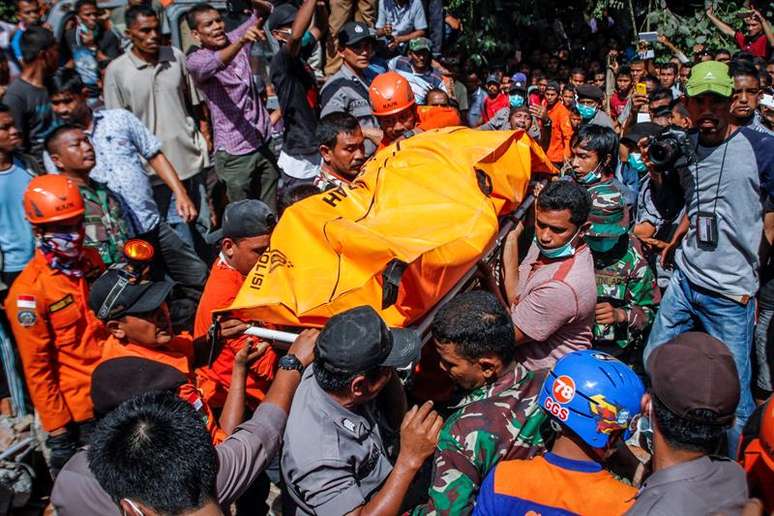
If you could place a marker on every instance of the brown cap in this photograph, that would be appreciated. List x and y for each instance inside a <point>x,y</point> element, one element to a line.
<point>695,371</point>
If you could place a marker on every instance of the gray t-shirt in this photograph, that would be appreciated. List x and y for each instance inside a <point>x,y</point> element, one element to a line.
<point>32,115</point>
<point>695,488</point>
<point>333,459</point>
<point>728,181</point>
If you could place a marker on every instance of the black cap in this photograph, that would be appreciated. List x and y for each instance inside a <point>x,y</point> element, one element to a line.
<point>640,131</point>
<point>358,340</point>
<point>113,295</point>
<point>119,379</point>
<point>282,15</point>
<point>553,85</point>
<point>353,33</point>
<point>244,219</point>
<point>589,91</point>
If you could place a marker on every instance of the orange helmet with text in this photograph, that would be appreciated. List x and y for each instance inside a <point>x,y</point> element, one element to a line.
<point>51,198</point>
<point>390,93</point>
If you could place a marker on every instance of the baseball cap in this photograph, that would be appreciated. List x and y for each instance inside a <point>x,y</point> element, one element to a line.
<point>640,131</point>
<point>417,44</point>
<point>358,340</point>
<point>119,379</point>
<point>282,15</point>
<point>519,77</point>
<point>695,371</point>
<point>608,213</point>
<point>113,295</point>
<point>710,76</point>
<point>553,85</point>
<point>589,91</point>
<point>243,219</point>
<point>492,78</point>
<point>353,33</point>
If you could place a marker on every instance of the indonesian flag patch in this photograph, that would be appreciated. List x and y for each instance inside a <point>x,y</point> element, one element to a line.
<point>26,302</point>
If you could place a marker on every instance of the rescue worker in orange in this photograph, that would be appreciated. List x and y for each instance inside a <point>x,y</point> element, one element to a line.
<point>135,313</point>
<point>244,236</point>
<point>756,454</point>
<point>59,339</point>
<point>393,104</point>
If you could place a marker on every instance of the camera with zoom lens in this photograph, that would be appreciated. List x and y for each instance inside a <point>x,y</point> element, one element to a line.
<point>671,149</point>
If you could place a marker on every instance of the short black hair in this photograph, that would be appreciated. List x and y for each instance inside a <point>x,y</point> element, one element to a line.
<point>477,324</point>
<point>17,2</point>
<point>35,41</point>
<point>566,195</point>
<point>81,3</point>
<point>669,64</point>
<point>577,69</point>
<point>50,143</point>
<point>330,126</point>
<point>681,109</point>
<point>723,51</point>
<point>192,15</point>
<point>650,78</point>
<point>338,383</point>
<point>295,193</point>
<point>624,71</point>
<point>743,68</point>
<point>661,93</point>
<point>701,433</point>
<point>637,61</point>
<point>64,80</point>
<point>155,449</point>
<point>135,11</point>
<point>599,139</point>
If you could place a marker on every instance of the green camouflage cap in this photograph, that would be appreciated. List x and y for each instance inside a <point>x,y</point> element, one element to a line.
<point>710,76</point>
<point>608,211</point>
<point>417,44</point>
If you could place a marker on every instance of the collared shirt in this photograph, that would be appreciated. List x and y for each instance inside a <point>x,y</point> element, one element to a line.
<point>698,487</point>
<point>333,459</point>
<point>241,458</point>
<point>239,118</point>
<point>420,83</point>
<point>120,142</point>
<point>347,92</point>
<point>404,19</point>
<point>160,96</point>
<point>499,421</point>
<point>325,180</point>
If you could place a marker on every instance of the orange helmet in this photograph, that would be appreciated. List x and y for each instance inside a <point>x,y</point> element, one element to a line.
<point>390,93</point>
<point>51,198</point>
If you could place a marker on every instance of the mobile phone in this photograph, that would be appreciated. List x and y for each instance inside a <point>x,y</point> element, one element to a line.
<point>640,88</point>
<point>767,100</point>
<point>648,36</point>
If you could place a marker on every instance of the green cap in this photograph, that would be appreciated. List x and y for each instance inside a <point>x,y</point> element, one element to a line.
<point>417,44</point>
<point>710,76</point>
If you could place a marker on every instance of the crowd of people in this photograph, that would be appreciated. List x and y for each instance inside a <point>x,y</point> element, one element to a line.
<point>619,361</point>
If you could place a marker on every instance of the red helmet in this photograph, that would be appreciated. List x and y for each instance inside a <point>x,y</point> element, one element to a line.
<point>51,198</point>
<point>390,93</point>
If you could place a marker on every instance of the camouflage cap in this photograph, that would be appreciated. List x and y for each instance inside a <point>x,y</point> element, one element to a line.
<point>608,211</point>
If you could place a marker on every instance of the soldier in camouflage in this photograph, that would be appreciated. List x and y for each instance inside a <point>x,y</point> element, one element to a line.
<point>626,286</point>
<point>497,416</point>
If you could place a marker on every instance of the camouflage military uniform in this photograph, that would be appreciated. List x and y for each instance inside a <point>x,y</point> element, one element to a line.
<point>104,222</point>
<point>497,421</point>
<point>629,284</point>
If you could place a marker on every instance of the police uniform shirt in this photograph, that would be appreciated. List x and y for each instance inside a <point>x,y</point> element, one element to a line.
<point>333,459</point>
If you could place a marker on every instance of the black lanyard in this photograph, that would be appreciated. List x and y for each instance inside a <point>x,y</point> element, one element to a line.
<point>720,179</point>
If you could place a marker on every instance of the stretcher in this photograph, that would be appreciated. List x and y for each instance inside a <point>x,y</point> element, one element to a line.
<point>405,238</point>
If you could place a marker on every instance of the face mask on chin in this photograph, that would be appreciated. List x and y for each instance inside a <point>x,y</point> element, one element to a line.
<point>590,177</point>
<point>564,251</point>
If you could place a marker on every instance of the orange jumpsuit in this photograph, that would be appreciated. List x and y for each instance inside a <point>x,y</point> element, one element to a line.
<point>58,337</point>
<point>177,354</point>
<point>219,292</point>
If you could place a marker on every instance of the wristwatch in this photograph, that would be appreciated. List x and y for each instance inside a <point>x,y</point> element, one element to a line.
<point>291,363</point>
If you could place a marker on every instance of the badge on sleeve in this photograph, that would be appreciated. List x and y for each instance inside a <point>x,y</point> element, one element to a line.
<point>26,310</point>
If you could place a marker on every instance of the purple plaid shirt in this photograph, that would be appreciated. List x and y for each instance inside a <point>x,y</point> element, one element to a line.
<point>239,118</point>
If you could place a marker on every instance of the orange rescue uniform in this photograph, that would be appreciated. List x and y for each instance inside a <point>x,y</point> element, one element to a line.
<point>178,354</point>
<point>220,291</point>
<point>561,133</point>
<point>58,337</point>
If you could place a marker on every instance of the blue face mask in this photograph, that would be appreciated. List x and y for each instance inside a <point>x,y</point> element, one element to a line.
<point>586,112</point>
<point>564,251</point>
<point>635,161</point>
<point>590,177</point>
<point>516,101</point>
<point>601,244</point>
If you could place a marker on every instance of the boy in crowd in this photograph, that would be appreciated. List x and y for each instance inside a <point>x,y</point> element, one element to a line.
<point>623,89</point>
<point>496,416</point>
<point>592,399</point>
<point>495,99</point>
<point>105,224</point>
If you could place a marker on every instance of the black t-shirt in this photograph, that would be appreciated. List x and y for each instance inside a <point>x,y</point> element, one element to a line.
<point>297,93</point>
<point>32,115</point>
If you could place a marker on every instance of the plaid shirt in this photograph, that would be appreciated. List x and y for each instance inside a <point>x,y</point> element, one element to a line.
<point>239,118</point>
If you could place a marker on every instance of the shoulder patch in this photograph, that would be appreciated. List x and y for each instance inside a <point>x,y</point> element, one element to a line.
<point>27,318</point>
<point>62,303</point>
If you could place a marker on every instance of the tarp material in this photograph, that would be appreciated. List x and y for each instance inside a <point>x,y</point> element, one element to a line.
<point>417,218</point>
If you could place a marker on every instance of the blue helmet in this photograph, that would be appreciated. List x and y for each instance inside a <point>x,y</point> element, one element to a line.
<point>592,394</point>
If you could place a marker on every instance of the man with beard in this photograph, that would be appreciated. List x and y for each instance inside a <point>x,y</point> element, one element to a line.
<point>718,261</point>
